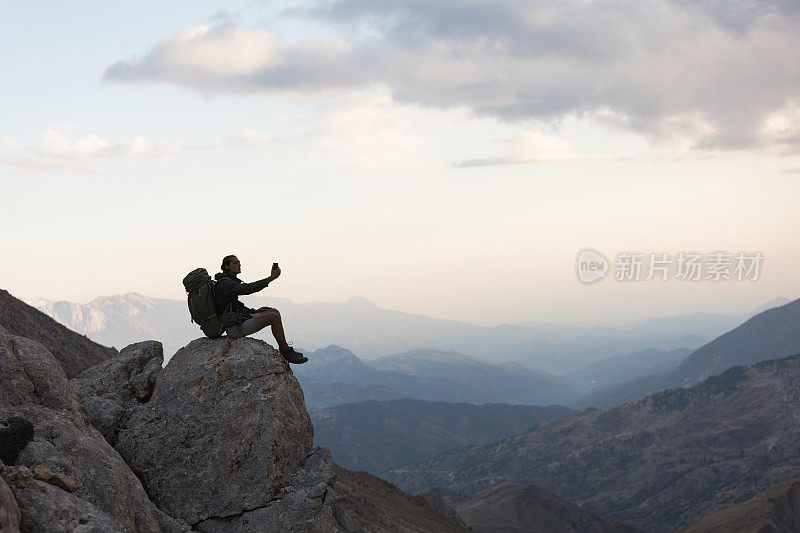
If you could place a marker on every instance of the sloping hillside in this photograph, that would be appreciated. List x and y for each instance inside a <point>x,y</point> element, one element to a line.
<point>770,334</point>
<point>659,462</point>
<point>776,510</point>
<point>515,508</point>
<point>375,436</point>
<point>75,352</point>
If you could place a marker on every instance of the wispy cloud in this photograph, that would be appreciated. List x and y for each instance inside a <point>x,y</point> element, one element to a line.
<point>362,131</point>
<point>710,72</point>
<point>530,147</point>
<point>61,150</point>
<point>228,58</point>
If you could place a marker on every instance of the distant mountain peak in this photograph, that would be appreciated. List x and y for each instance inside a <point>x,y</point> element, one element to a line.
<point>361,301</point>
<point>128,297</point>
<point>775,302</point>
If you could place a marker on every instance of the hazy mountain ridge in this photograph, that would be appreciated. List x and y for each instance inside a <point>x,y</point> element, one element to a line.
<point>125,319</point>
<point>321,396</point>
<point>371,331</point>
<point>659,462</point>
<point>770,334</point>
<point>438,376</point>
<point>622,368</point>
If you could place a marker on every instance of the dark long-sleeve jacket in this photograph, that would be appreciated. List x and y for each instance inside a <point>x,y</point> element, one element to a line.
<point>228,290</point>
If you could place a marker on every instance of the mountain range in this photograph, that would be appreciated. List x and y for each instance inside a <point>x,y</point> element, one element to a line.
<point>770,334</point>
<point>372,331</point>
<point>659,462</point>
<point>432,375</point>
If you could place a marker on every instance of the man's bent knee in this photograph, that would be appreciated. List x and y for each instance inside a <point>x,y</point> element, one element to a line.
<point>268,318</point>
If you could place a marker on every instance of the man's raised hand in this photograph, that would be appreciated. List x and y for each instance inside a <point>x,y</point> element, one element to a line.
<point>276,273</point>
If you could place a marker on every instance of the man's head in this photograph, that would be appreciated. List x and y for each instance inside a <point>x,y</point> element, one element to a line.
<point>231,264</point>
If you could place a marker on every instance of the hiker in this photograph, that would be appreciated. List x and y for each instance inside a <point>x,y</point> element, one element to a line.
<point>227,292</point>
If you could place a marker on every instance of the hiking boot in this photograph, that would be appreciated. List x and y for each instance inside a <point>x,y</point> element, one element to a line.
<point>293,356</point>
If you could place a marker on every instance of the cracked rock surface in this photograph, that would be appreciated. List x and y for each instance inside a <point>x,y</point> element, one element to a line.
<point>64,476</point>
<point>109,390</point>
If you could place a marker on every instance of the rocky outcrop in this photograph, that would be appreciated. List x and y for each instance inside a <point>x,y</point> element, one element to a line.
<point>111,390</point>
<point>303,505</point>
<point>46,507</point>
<point>73,351</point>
<point>223,442</point>
<point>66,475</point>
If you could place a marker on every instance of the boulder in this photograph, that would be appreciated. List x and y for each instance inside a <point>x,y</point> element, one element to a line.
<point>304,505</point>
<point>111,389</point>
<point>46,508</point>
<point>225,442</point>
<point>66,474</point>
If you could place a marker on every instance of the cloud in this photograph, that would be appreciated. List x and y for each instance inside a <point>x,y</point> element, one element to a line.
<point>709,72</point>
<point>232,59</point>
<point>60,150</point>
<point>530,147</point>
<point>247,139</point>
<point>363,131</point>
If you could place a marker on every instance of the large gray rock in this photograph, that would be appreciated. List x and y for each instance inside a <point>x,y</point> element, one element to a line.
<point>111,389</point>
<point>29,375</point>
<point>226,437</point>
<point>46,508</point>
<point>305,505</point>
<point>74,471</point>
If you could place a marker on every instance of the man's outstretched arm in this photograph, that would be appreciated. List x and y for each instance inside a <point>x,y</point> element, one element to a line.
<point>241,289</point>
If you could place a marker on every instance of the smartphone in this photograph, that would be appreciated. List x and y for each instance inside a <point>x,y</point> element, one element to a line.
<point>274,266</point>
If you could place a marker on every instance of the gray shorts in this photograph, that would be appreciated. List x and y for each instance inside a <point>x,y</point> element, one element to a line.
<point>245,328</point>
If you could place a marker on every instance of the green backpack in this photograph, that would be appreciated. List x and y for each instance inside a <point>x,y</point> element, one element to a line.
<point>200,290</point>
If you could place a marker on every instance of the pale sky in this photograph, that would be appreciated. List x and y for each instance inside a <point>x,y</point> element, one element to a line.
<point>446,158</point>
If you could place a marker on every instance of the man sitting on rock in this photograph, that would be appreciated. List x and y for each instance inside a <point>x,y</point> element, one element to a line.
<point>227,293</point>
